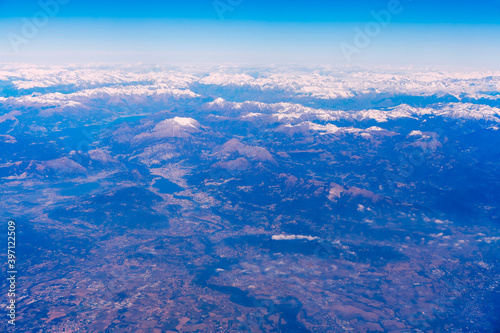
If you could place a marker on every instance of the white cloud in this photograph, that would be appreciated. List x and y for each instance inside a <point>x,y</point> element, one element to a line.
<point>293,237</point>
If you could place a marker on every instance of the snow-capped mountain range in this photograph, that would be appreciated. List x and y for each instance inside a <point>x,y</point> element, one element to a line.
<point>269,97</point>
<point>368,187</point>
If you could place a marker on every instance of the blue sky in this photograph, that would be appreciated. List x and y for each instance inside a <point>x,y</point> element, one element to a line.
<point>420,32</point>
<point>418,11</point>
